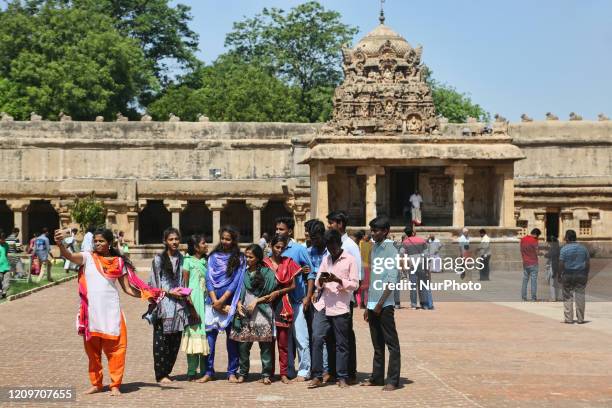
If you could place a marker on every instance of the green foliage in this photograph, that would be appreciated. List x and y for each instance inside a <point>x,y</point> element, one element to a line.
<point>88,211</point>
<point>301,47</point>
<point>229,90</point>
<point>452,104</point>
<point>55,57</point>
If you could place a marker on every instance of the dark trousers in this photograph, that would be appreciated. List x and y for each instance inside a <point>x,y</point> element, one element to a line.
<point>165,350</point>
<point>266,353</point>
<point>322,327</point>
<point>484,272</point>
<point>574,285</point>
<point>383,333</point>
<point>352,361</point>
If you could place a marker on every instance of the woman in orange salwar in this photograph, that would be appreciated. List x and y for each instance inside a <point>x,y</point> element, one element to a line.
<point>100,320</point>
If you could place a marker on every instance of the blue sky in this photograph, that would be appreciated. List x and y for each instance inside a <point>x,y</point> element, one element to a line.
<point>512,57</point>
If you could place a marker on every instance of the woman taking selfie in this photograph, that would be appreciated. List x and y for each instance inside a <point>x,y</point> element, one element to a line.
<point>254,320</point>
<point>100,319</point>
<point>171,315</point>
<point>226,268</point>
<point>285,270</point>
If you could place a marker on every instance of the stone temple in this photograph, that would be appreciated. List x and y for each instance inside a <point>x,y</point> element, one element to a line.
<point>384,141</point>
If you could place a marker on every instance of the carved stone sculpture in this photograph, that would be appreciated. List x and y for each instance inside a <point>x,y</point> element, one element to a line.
<point>34,117</point>
<point>574,116</point>
<point>203,118</point>
<point>146,118</point>
<point>602,118</point>
<point>174,118</point>
<point>551,116</point>
<point>121,118</point>
<point>525,118</point>
<point>500,118</point>
<point>99,118</point>
<point>65,118</point>
<point>5,117</point>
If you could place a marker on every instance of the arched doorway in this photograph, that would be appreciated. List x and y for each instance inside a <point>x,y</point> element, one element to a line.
<point>196,218</point>
<point>273,210</point>
<point>152,221</point>
<point>7,219</point>
<point>237,214</point>
<point>41,214</point>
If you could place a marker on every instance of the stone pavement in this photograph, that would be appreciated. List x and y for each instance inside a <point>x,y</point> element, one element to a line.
<point>463,354</point>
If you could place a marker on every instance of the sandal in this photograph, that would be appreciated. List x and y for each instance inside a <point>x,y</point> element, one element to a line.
<point>315,383</point>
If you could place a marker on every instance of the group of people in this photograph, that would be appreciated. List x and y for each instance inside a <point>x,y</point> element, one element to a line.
<point>567,271</point>
<point>295,300</point>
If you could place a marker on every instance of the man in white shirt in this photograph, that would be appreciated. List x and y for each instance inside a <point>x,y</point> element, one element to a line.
<point>416,201</point>
<point>338,220</point>
<point>87,244</point>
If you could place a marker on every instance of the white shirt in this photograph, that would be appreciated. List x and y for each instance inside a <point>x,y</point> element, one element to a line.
<point>416,200</point>
<point>87,244</point>
<point>352,248</point>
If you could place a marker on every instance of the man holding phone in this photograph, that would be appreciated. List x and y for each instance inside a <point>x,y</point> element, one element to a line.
<point>337,278</point>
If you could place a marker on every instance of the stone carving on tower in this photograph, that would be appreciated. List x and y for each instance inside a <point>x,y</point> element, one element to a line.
<point>384,88</point>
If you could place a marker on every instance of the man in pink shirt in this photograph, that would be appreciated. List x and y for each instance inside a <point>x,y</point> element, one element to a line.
<point>337,278</point>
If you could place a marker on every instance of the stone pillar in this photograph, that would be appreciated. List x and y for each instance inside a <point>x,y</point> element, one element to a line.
<point>370,200</point>
<point>256,206</point>
<point>458,173</point>
<point>320,192</point>
<point>216,206</point>
<point>175,207</point>
<point>300,209</point>
<point>20,216</point>
<point>63,210</point>
<point>111,218</point>
<point>506,213</point>
<point>131,235</point>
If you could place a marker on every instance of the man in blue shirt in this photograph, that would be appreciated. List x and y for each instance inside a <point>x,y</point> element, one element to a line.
<point>574,266</point>
<point>300,299</point>
<point>380,313</point>
<point>42,249</point>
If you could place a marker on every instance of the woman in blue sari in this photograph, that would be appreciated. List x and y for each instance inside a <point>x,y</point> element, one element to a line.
<point>226,268</point>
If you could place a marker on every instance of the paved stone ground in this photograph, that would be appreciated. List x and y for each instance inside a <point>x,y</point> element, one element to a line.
<point>469,354</point>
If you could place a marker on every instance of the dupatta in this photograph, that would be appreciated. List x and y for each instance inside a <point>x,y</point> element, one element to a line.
<point>285,271</point>
<point>110,269</point>
<point>217,276</point>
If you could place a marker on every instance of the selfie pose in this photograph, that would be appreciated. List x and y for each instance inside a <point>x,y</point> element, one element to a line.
<point>100,320</point>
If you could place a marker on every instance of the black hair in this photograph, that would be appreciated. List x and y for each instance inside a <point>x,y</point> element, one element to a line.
<point>15,230</point>
<point>408,231</point>
<point>570,235</point>
<point>45,230</point>
<point>359,235</point>
<point>74,230</point>
<point>482,231</point>
<point>316,228</point>
<point>338,216</point>
<point>109,237</point>
<point>288,221</point>
<point>236,257</point>
<point>333,236</point>
<point>383,223</point>
<point>279,238</point>
<point>193,242</point>
<point>536,232</point>
<point>308,223</point>
<point>2,235</point>
<point>257,281</point>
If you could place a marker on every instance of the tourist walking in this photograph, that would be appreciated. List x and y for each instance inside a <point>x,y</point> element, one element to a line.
<point>287,273</point>
<point>300,299</point>
<point>464,252</point>
<point>171,315</point>
<point>484,253</point>
<point>365,247</point>
<point>194,342</point>
<point>42,250</point>
<point>529,255</point>
<point>87,244</point>
<point>414,247</point>
<point>254,320</point>
<point>380,313</point>
<point>337,278</point>
<point>70,244</point>
<point>14,249</point>
<point>432,254</point>
<point>100,320</point>
<point>5,267</point>
<point>574,265</point>
<point>226,268</point>
<point>338,220</point>
<point>416,202</point>
<point>552,269</point>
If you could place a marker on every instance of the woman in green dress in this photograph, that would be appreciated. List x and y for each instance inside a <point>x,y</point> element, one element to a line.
<point>254,320</point>
<point>194,342</point>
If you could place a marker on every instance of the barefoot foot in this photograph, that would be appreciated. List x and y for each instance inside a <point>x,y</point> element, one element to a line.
<point>93,390</point>
<point>115,392</point>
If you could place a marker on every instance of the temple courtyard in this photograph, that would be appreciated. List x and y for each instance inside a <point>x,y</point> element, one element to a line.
<point>462,354</point>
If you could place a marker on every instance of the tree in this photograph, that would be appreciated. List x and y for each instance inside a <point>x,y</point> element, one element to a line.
<point>55,57</point>
<point>452,104</point>
<point>88,211</point>
<point>302,47</point>
<point>229,90</point>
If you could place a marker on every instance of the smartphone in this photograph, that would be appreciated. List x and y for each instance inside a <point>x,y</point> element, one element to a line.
<point>325,275</point>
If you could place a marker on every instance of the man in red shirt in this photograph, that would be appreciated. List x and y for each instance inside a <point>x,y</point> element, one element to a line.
<point>529,253</point>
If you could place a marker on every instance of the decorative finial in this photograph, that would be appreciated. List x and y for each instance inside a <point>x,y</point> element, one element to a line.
<point>381,18</point>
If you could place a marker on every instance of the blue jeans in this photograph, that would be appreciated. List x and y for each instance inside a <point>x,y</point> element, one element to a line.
<point>233,356</point>
<point>299,339</point>
<point>530,272</point>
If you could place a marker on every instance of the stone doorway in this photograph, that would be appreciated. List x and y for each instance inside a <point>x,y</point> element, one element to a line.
<point>6,218</point>
<point>552,224</point>
<point>152,221</point>
<point>272,210</point>
<point>403,182</point>
<point>238,215</point>
<point>41,214</point>
<point>196,218</point>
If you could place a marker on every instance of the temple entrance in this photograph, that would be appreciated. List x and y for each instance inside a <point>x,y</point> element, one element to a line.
<point>269,213</point>
<point>238,215</point>
<point>152,221</point>
<point>6,218</point>
<point>552,225</point>
<point>196,218</point>
<point>403,182</point>
<point>41,214</point>
<point>347,193</point>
